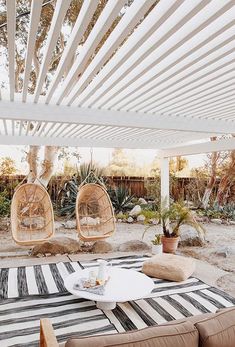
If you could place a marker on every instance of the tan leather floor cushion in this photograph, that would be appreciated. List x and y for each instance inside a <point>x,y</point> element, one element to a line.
<point>219,330</point>
<point>178,335</point>
<point>169,267</point>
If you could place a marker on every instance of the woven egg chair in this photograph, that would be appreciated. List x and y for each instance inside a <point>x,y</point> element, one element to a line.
<point>32,218</point>
<point>94,213</point>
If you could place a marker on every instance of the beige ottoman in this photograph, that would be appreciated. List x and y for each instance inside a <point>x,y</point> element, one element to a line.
<point>169,267</point>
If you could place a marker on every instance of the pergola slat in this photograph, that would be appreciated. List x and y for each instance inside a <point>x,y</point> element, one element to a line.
<point>106,18</point>
<point>151,23</point>
<point>57,20</point>
<point>11,27</point>
<point>84,17</point>
<point>36,7</point>
<point>128,22</point>
<point>177,41</point>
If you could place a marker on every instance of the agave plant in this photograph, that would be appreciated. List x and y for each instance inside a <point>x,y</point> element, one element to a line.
<point>120,198</point>
<point>89,173</point>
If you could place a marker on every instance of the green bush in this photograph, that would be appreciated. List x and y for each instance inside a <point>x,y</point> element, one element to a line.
<point>5,204</point>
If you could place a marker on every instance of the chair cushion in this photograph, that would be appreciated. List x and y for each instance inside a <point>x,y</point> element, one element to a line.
<point>219,330</point>
<point>169,267</point>
<point>178,335</point>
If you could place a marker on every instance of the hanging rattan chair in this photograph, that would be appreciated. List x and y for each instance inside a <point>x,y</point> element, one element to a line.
<point>94,213</point>
<point>32,218</point>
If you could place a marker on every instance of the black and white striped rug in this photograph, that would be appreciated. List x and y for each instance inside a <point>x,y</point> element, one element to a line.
<point>38,292</point>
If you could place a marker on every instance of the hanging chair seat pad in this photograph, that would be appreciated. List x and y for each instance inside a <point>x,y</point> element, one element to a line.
<point>32,217</point>
<point>94,213</point>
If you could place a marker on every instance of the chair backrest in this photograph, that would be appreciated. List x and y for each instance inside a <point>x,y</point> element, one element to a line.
<point>94,213</point>
<point>32,218</point>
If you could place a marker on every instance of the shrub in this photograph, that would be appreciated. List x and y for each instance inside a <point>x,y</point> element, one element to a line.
<point>5,204</point>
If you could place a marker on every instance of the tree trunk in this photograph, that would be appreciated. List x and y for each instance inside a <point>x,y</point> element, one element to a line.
<point>50,156</point>
<point>212,180</point>
<point>225,181</point>
<point>32,159</point>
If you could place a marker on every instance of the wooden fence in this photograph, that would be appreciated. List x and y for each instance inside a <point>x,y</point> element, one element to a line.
<point>137,186</point>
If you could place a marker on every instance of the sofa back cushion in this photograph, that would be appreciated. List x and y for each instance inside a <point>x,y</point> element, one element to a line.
<point>218,330</point>
<point>182,334</point>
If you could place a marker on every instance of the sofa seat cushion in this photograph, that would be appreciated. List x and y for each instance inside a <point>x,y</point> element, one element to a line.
<point>219,330</point>
<point>178,335</point>
<point>169,267</point>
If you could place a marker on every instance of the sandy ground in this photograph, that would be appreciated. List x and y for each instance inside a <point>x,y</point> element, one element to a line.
<point>218,237</point>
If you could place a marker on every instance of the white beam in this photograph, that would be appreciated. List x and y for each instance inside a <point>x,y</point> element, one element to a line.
<point>54,32</point>
<point>205,147</point>
<point>83,19</point>
<point>165,182</point>
<point>102,25</point>
<point>133,15</point>
<point>11,25</point>
<point>76,115</point>
<point>36,7</point>
<point>73,142</point>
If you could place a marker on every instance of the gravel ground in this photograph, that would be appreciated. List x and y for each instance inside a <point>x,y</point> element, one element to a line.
<point>219,239</point>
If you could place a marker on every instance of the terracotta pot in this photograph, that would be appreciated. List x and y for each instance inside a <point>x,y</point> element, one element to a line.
<point>170,244</point>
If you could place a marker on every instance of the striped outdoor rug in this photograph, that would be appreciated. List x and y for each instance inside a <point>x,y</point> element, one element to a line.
<point>19,317</point>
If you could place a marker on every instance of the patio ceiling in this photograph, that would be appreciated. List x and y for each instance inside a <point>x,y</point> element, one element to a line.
<point>164,78</point>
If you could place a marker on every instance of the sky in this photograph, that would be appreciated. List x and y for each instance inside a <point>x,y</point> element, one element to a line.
<point>100,155</point>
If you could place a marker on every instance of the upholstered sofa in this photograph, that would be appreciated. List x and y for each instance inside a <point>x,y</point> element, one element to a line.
<point>206,330</point>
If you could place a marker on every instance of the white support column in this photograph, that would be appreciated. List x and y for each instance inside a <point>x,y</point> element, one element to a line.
<point>165,181</point>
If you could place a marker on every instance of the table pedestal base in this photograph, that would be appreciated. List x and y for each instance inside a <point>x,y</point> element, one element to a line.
<point>106,305</point>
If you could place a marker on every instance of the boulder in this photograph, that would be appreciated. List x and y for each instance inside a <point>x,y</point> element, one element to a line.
<point>119,220</point>
<point>141,218</point>
<point>70,224</point>
<point>153,221</point>
<point>142,201</point>
<point>232,222</point>
<point>135,211</point>
<point>134,246</point>
<point>216,221</point>
<point>130,220</point>
<point>191,238</point>
<point>225,251</point>
<point>101,247</point>
<point>57,245</point>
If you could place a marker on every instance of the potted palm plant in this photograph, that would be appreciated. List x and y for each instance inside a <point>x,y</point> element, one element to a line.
<point>172,218</point>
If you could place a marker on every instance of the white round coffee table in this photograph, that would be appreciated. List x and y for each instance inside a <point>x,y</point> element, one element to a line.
<point>123,285</point>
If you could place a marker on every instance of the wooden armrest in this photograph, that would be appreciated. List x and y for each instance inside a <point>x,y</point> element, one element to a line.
<point>47,335</point>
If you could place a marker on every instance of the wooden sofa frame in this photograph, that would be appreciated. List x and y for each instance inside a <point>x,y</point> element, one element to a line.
<point>47,335</point>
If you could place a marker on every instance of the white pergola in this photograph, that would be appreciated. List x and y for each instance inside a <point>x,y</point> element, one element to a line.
<point>161,81</point>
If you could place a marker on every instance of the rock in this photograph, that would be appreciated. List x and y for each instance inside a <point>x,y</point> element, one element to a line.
<point>190,238</point>
<point>134,246</point>
<point>225,222</point>
<point>89,221</point>
<point>142,201</point>
<point>225,251</point>
<point>101,247</point>
<point>57,245</point>
<point>5,224</point>
<point>221,252</point>
<point>153,221</point>
<point>216,221</point>
<point>135,211</point>
<point>232,222</point>
<point>70,224</point>
<point>141,218</point>
<point>130,220</point>
<point>119,220</point>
